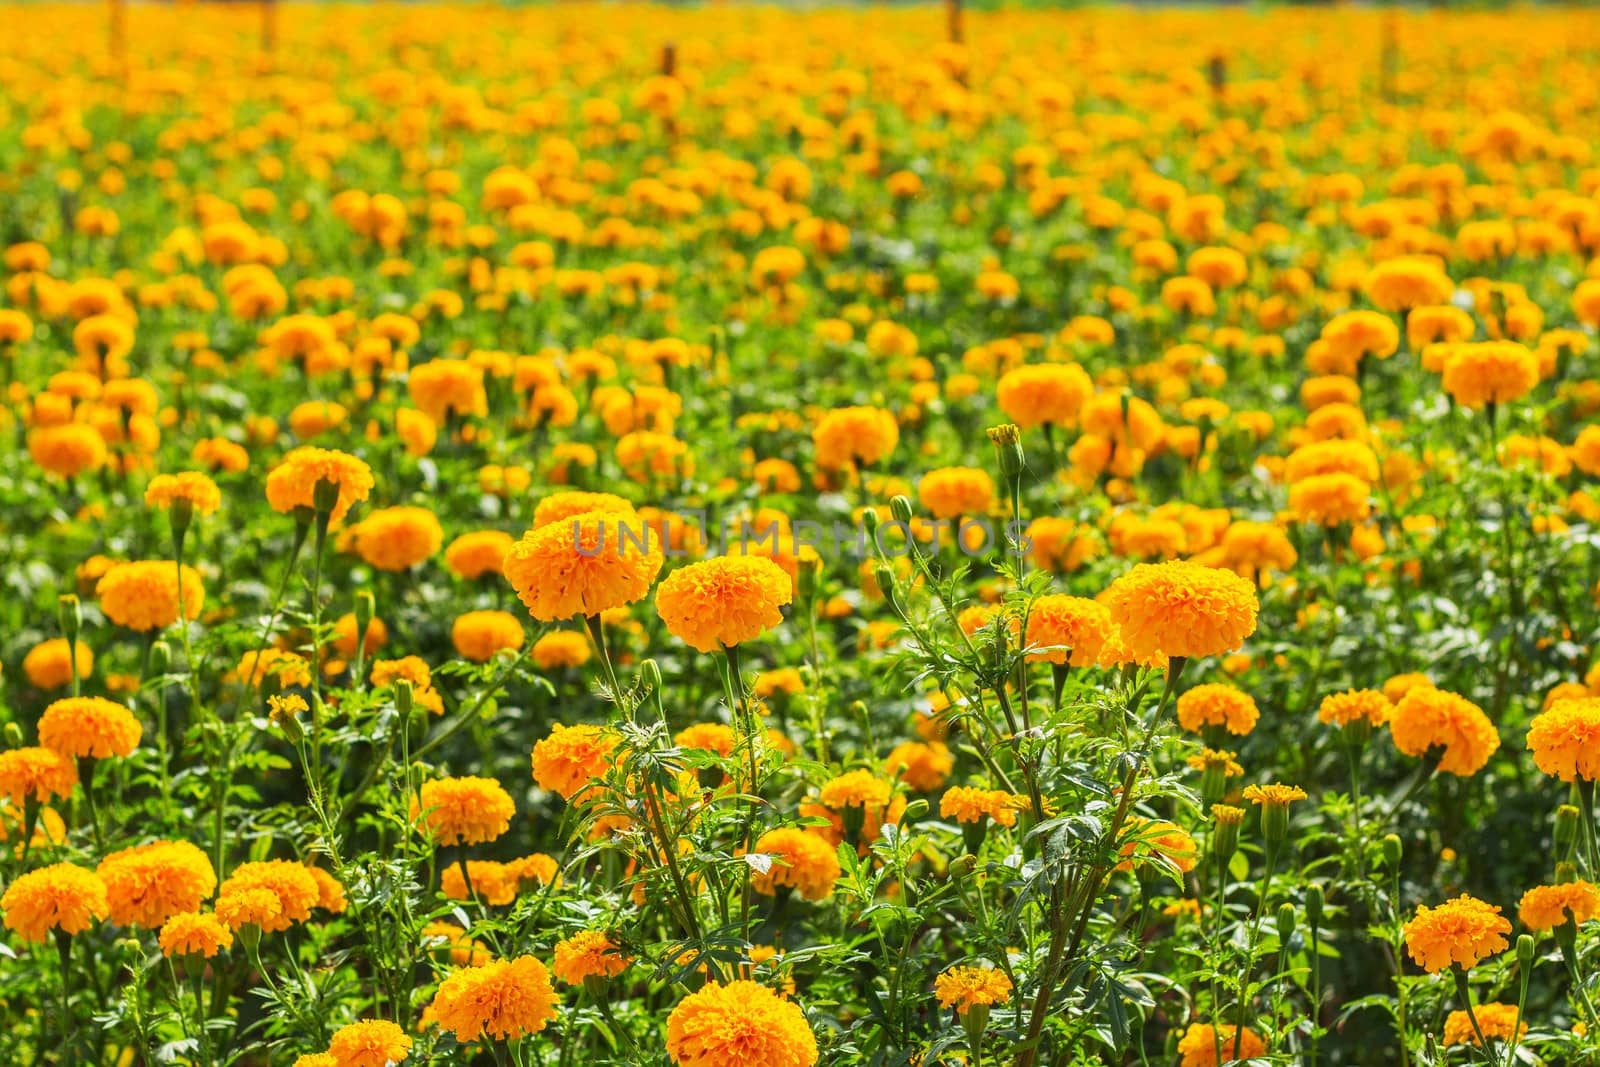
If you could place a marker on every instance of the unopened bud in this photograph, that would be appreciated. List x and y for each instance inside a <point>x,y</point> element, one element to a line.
<point>1392,850</point>
<point>1566,831</point>
<point>70,615</point>
<point>1286,922</point>
<point>1566,872</point>
<point>1314,905</point>
<point>325,496</point>
<point>1525,950</point>
<point>366,608</point>
<point>1008,443</point>
<point>807,571</point>
<point>900,508</point>
<point>13,735</point>
<point>160,659</point>
<point>650,671</point>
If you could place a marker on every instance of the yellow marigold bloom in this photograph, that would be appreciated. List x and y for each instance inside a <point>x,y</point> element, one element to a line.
<point>473,555</point>
<point>855,789</point>
<point>588,953</point>
<point>561,648</point>
<point>199,491</point>
<point>194,934</point>
<point>964,988</point>
<point>1331,499</point>
<point>1208,758</point>
<point>330,891</point>
<point>967,804</point>
<point>147,884</point>
<point>293,482</point>
<point>58,897</point>
<point>922,766</point>
<point>707,737</point>
<point>1565,739</point>
<point>479,635</point>
<point>1332,457</point>
<point>1341,709</point>
<point>1200,1041</point>
<point>800,858</point>
<point>582,565</point>
<point>1460,932</point>
<point>784,680</point>
<point>1408,282</point>
<point>1356,334</point>
<point>257,907</point>
<point>1401,684</point>
<point>287,668</point>
<point>290,883</point>
<point>1219,705</point>
<point>574,502</point>
<point>1431,718</point>
<point>952,492</point>
<point>1044,394</point>
<point>1490,372</point>
<point>1060,545</point>
<point>369,1043</point>
<point>1548,906</point>
<point>48,665</point>
<point>36,773</point>
<point>854,436</point>
<point>463,811</point>
<point>1182,609</point>
<point>492,883</point>
<point>67,450</point>
<point>344,635</point>
<point>89,726</point>
<point>724,601</point>
<point>143,595</point>
<point>1074,628</point>
<point>740,1024</point>
<point>397,539</point>
<point>1503,1021</point>
<point>464,951</point>
<point>220,454</point>
<point>502,1000</point>
<point>572,758</point>
<point>1275,796</point>
<point>446,388</point>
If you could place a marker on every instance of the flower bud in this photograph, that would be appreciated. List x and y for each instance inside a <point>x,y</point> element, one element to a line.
<point>869,519</point>
<point>1392,850</point>
<point>1566,831</point>
<point>13,734</point>
<point>70,615</point>
<point>366,608</point>
<point>1008,443</point>
<point>160,659</point>
<point>650,671</point>
<point>1314,904</point>
<point>325,497</point>
<point>179,515</point>
<point>964,866</point>
<point>1566,873</point>
<point>1225,841</point>
<point>1286,922</point>
<point>1525,950</point>
<point>891,594</point>
<point>900,508</point>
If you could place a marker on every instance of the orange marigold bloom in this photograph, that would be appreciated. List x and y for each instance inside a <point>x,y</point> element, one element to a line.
<point>58,897</point>
<point>964,988</point>
<point>479,635</point>
<point>1495,1020</point>
<point>561,648</point>
<point>725,601</point>
<point>288,668</point>
<point>1074,628</point>
<point>502,999</point>
<point>1199,1043</point>
<point>89,726</point>
<point>580,566</point>
<point>251,907</point>
<point>1341,709</point>
<point>585,954</point>
<point>1163,843</point>
<point>1433,718</point>
<point>48,666</point>
<point>968,804</point>
<point>469,811</point>
<point>473,555</point>
<point>951,492</point>
<point>293,482</point>
<point>369,1043</point>
<point>572,758</point>
<point>1331,499</point>
<point>1182,609</point>
<point>1044,394</point>
<point>37,773</point>
<point>397,539</point>
<point>801,859</point>
<point>291,883</point>
<point>1565,739</point>
<point>574,502</point>
<point>492,883</point>
<point>147,884</point>
<point>1217,704</point>
<point>144,596</point>
<point>922,766</point>
<point>194,934</point>
<point>1490,372</point>
<point>1548,906</point>
<point>854,436</point>
<point>1459,932</point>
<point>67,450</point>
<point>191,487</point>
<point>447,387</point>
<point>740,1024</point>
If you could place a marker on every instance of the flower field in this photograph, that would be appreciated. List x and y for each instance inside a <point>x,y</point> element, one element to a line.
<point>731,537</point>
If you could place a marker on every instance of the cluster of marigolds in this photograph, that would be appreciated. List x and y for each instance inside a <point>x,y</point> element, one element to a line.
<point>340,343</point>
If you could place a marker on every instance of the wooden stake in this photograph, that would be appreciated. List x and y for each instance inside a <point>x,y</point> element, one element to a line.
<point>669,59</point>
<point>953,12</point>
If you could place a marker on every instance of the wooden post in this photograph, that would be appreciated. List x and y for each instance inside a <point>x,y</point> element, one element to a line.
<point>1218,69</point>
<point>953,13</point>
<point>669,59</point>
<point>269,25</point>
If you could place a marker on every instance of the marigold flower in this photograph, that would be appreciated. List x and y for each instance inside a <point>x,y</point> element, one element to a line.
<point>964,988</point>
<point>854,436</point>
<point>491,882</point>
<point>479,635</point>
<point>47,664</point>
<point>1331,499</point>
<point>473,555</point>
<point>144,596</point>
<point>1074,628</point>
<point>503,999</point>
<point>58,897</point>
<point>561,648</point>
<point>369,1043</point>
<point>1432,718</point>
<point>194,934</point>
<point>1460,932</point>
<point>588,953</point>
<point>468,811</point>
<point>191,487</point>
<point>1548,906</point>
<point>1164,843</point>
<point>1218,705</point>
<point>573,502</point>
<point>286,668</point>
<point>397,539</point>
<point>1489,372</point>
<point>967,804</point>
<point>1200,1042</point>
<point>1565,739</point>
<point>258,907</point>
<point>1182,609</point>
<point>1044,394</point>
<point>443,388</point>
<point>1275,796</point>
<point>67,450</point>
<point>89,727</point>
<point>724,601</point>
<point>952,492</point>
<point>801,859</point>
<point>293,482</point>
<point>921,765</point>
<point>147,884</point>
<point>1352,705</point>
<point>1495,1020</point>
<point>580,566</point>
<point>573,758</point>
<point>740,1024</point>
<point>37,773</point>
<point>295,890</point>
